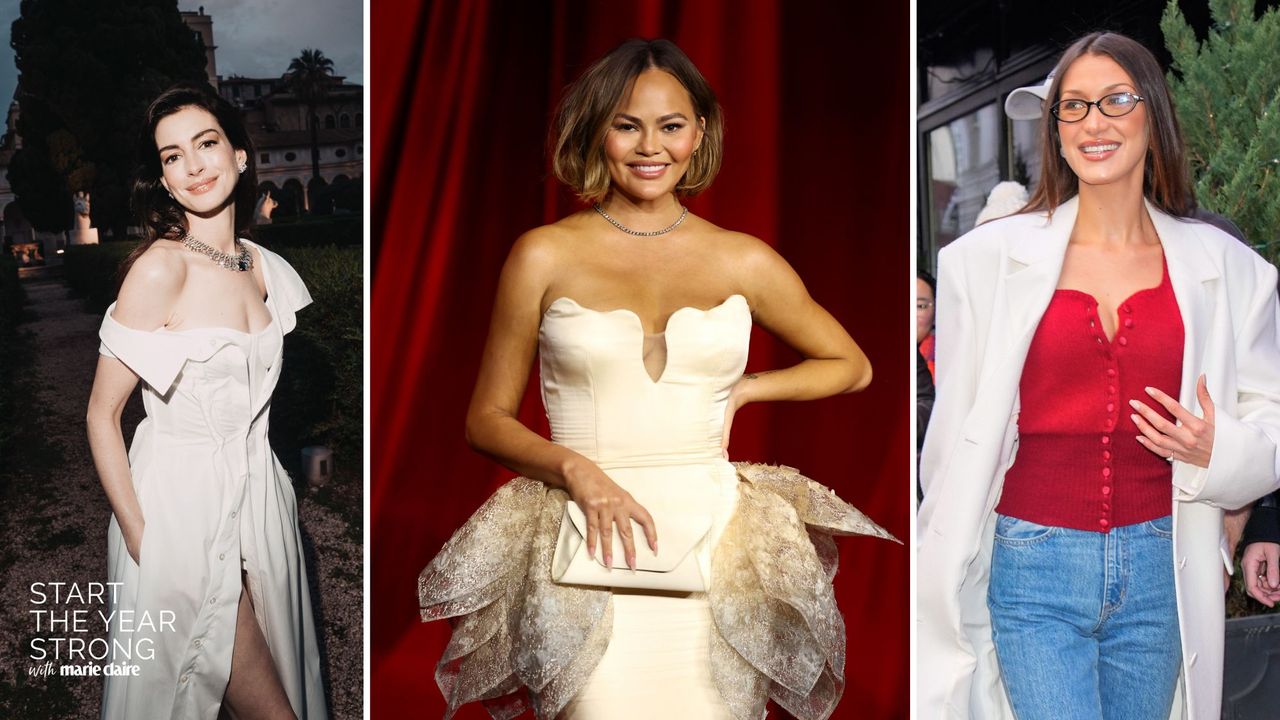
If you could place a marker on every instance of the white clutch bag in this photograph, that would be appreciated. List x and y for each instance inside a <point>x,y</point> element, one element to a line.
<point>675,567</point>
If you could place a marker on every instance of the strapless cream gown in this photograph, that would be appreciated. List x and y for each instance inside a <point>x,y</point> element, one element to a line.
<point>768,625</point>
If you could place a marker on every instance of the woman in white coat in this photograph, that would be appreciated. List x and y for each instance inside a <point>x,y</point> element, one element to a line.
<point>1108,383</point>
<point>210,605</point>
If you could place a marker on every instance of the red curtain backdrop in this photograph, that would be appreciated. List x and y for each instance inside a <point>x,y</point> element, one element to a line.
<point>816,164</point>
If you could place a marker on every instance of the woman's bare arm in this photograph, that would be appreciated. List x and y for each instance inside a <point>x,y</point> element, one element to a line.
<point>145,300</point>
<point>833,363</point>
<point>492,424</point>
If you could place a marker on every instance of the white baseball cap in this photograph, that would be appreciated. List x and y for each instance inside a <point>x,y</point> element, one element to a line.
<point>1027,103</point>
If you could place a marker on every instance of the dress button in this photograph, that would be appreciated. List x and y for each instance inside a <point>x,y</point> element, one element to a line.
<point>1106,439</point>
<point>233,514</point>
<point>1106,507</point>
<point>1126,308</point>
<point>1091,324</point>
<point>1099,340</point>
<point>1111,389</point>
<point>1106,454</point>
<point>1124,341</point>
<point>1111,407</point>
<point>1111,372</point>
<point>199,642</point>
<point>222,556</point>
<point>1103,523</point>
<point>1106,489</point>
<point>212,600</point>
<point>1128,322</point>
<point>1106,472</point>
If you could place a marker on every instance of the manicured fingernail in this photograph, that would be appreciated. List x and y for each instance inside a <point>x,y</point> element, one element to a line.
<point>1134,418</point>
<point>1150,390</point>
<point>1135,404</point>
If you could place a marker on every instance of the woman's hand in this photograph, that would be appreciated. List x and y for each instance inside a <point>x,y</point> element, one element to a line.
<point>1190,440</point>
<point>1261,567</point>
<point>606,506</point>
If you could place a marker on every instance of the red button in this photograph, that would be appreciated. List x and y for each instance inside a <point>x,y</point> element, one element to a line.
<point>1111,372</point>
<point>1111,407</point>
<point>1106,489</point>
<point>1103,523</point>
<point>1126,308</point>
<point>1124,341</point>
<point>1128,322</point>
<point>1099,340</point>
<point>1090,323</point>
<point>1106,507</point>
<point>1106,439</point>
<point>1106,472</point>
<point>1111,389</point>
<point>1106,454</point>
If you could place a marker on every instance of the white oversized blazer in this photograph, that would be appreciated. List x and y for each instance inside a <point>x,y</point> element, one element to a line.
<point>993,287</point>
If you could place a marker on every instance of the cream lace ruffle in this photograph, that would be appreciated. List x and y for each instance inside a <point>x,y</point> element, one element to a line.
<point>521,641</point>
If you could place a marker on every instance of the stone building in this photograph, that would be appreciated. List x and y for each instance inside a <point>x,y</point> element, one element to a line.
<point>277,121</point>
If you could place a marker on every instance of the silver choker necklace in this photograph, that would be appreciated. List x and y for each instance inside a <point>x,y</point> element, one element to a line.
<point>684,212</point>
<point>240,262</point>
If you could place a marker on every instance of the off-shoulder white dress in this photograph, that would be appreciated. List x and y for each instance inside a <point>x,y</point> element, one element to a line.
<point>768,625</point>
<point>216,501</point>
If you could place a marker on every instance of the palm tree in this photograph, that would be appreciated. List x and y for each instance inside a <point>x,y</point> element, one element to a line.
<point>308,78</point>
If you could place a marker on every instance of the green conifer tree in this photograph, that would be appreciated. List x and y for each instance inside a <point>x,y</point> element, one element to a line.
<point>1227,91</point>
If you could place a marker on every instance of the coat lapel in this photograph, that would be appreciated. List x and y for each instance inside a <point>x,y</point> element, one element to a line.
<point>1032,270</point>
<point>1191,271</point>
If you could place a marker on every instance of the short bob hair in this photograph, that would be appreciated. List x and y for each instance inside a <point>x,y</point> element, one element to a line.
<point>1166,182</point>
<point>587,110</point>
<point>159,215</point>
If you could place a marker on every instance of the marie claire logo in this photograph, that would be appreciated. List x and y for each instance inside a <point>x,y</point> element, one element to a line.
<point>81,630</point>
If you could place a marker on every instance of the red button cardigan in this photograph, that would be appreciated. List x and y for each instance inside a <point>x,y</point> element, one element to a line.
<point>1078,463</point>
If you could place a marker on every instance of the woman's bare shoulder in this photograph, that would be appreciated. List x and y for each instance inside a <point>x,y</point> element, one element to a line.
<point>152,286</point>
<point>543,249</point>
<point>739,249</point>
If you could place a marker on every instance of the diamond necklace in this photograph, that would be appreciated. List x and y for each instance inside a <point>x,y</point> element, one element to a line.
<point>240,262</point>
<point>684,211</point>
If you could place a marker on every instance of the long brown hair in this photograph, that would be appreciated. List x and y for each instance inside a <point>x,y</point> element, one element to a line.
<point>1166,182</point>
<point>154,208</point>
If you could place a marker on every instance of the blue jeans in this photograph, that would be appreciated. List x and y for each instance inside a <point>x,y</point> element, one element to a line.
<point>1085,624</point>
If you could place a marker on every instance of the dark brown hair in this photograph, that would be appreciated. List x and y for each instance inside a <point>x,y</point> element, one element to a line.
<point>159,215</point>
<point>1165,182</point>
<point>588,107</point>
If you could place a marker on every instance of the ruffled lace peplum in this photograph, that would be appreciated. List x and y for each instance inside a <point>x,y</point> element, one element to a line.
<point>521,641</point>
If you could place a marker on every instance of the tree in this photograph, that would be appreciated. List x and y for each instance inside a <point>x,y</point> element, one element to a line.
<point>1227,92</point>
<point>86,73</point>
<point>308,78</point>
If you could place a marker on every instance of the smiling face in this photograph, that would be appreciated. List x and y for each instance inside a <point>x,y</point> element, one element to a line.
<point>1102,150</point>
<point>199,166</point>
<point>652,137</point>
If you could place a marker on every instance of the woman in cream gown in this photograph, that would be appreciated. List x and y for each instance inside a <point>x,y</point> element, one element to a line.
<point>641,315</point>
<point>203,540</point>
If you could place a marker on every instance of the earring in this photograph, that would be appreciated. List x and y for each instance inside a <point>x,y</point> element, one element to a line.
<point>171,197</point>
<point>243,166</point>
<point>1062,151</point>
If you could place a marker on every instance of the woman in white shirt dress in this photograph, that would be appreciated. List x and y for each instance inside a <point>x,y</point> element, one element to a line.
<point>204,537</point>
